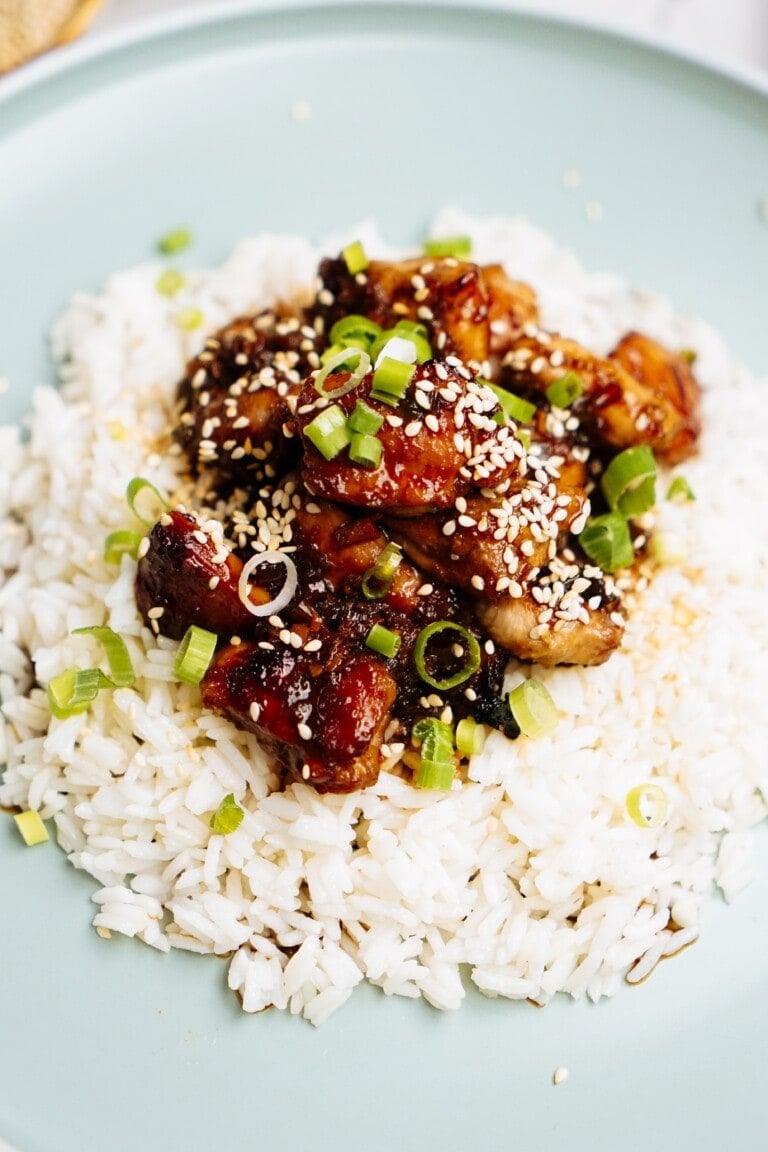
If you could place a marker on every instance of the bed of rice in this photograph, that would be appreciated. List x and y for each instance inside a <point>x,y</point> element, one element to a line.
<point>528,875</point>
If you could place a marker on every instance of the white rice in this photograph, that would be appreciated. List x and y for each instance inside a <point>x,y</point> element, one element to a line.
<point>530,872</point>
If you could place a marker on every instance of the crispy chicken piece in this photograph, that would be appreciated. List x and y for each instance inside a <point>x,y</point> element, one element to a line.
<point>512,305</point>
<point>506,553</point>
<point>641,394</point>
<point>238,394</point>
<point>440,440</point>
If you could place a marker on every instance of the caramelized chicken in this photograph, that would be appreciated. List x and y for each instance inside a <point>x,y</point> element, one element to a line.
<point>237,396</point>
<point>442,439</point>
<point>641,394</point>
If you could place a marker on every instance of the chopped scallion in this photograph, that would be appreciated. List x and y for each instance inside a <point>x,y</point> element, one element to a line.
<point>470,737</point>
<point>517,409</point>
<point>121,670</point>
<point>363,419</point>
<point>607,542</point>
<point>680,490</point>
<point>390,381</point>
<point>377,581</point>
<point>384,641</point>
<point>328,432</point>
<point>73,691</point>
<point>144,500</point>
<point>189,319</point>
<point>472,654</point>
<point>356,361</point>
<point>228,816</point>
<point>647,805</point>
<point>170,282</point>
<point>533,708</point>
<point>410,330</point>
<point>629,481</point>
<point>175,241</point>
<point>458,246</point>
<point>563,392</point>
<point>194,655</point>
<point>121,543</point>
<point>31,826</point>
<point>365,450</point>
<point>354,326</point>
<point>355,258</point>
<point>436,767</point>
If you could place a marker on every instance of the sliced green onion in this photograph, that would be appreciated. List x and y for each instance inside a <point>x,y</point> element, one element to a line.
<point>31,826</point>
<point>377,581</point>
<point>365,450</point>
<point>409,330</point>
<point>647,805</point>
<point>680,490</point>
<point>341,362</point>
<point>189,319</point>
<point>364,420</point>
<point>194,656</point>
<point>175,241</point>
<point>690,355</point>
<point>629,481</point>
<point>73,691</point>
<point>436,767</point>
<point>390,380</point>
<point>563,392</point>
<point>152,502</point>
<point>355,258</point>
<point>228,816</point>
<point>459,246</point>
<point>473,656</point>
<point>121,543</point>
<point>328,432</point>
<point>668,549</point>
<point>470,737</point>
<point>121,670</point>
<point>533,708</point>
<point>525,438</point>
<point>383,641</point>
<point>519,410</point>
<point>607,542</point>
<point>359,327</point>
<point>170,282</point>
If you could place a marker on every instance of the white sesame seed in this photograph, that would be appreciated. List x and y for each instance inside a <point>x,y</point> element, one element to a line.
<point>304,731</point>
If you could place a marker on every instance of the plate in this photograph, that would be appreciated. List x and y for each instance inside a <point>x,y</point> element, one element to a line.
<point>204,121</point>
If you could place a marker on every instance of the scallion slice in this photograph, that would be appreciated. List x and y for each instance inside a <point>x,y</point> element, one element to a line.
<point>647,805</point>
<point>363,419</point>
<point>354,326</point>
<point>563,392</point>
<point>458,246</point>
<point>607,542</point>
<point>189,319</point>
<point>194,656</point>
<point>228,816</point>
<point>629,481</point>
<point>121,670</point>
<point>365,450</point>
<point>470,737</point>
<point>286,593</point>
<point>525,438</point>
<point>355,258</point>
<point>144,500</point>
<point>175,241</point>
<point>533,708</point>
<point>328,431</point>
<point>517,409</point>
<point>410,330</point>
<point>473,655</point>
<point>377,581</point>
<point>390,381</point>
<point>170,282</point>
<point>383,641</point>
<point>73,691</point>
<point>680,490</point>
<point>31,826</point>
<point>356,361</point>
<point>121,543</point>
<point>436,767</point>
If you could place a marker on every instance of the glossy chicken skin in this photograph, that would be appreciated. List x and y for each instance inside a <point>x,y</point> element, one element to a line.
<point>440,440</point>
<point>641,394</point>
<point>236,398</point>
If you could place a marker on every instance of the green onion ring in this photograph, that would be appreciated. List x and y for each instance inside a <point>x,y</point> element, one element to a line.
<point>121,670</point>
<point>135,487</point>
<point>194,656</point>
<point>355,376</point>
<point>473,654</point>
<point>286,593</point>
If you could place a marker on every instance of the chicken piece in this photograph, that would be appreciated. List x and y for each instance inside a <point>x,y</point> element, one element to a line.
<point>512,305</point>
<point>642,394</point>
<point>440,440</point>
<point>324,722</point>
<point>448,296</point>
<point>238,394</point>
<point>507,555</point>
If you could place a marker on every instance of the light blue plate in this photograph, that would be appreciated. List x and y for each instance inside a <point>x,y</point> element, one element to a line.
<point>110,1047</point>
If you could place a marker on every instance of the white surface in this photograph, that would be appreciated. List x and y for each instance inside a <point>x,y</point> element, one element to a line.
<point>731,32</point>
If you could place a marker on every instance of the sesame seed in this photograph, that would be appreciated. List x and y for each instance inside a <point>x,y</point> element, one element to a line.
<point>255,711</point>
<point>304,731</point>
<point>425,590</point>
<point>155,613</point>
<point>413,428</point>
<point>305,772</point>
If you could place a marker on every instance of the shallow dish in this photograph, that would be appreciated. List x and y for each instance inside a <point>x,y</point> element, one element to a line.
<point>305,120</point>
